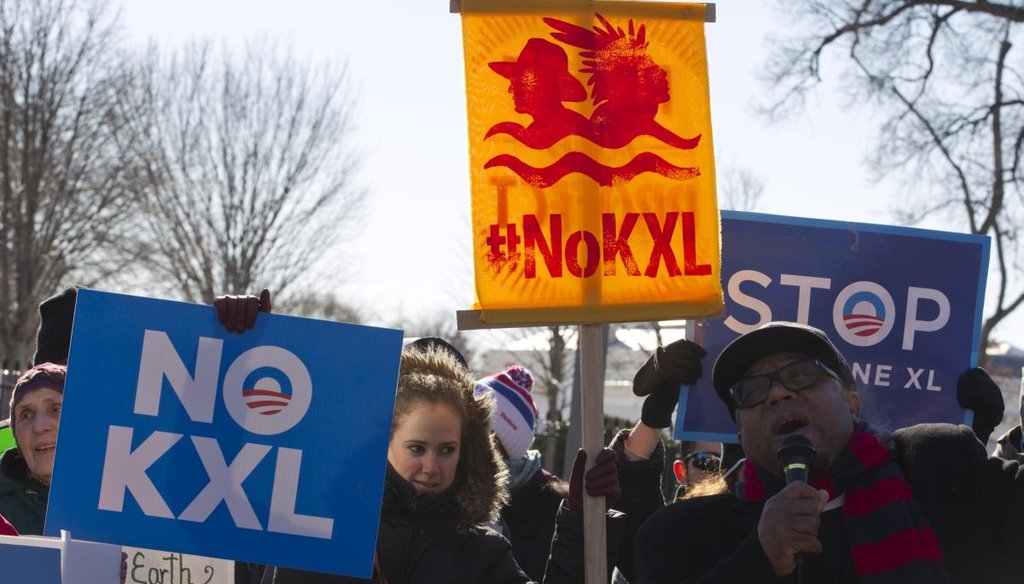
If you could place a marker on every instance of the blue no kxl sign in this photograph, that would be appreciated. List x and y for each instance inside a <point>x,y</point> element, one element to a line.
<point>903,305</point>
<point>266,447</point>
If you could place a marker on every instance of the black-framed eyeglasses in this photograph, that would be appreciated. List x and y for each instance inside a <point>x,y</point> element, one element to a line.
<point>706,461</point>
<point>798,375</point>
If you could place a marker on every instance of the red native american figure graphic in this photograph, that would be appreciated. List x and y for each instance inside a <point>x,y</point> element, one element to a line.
<point>628,88</point>
<point>539,81</point>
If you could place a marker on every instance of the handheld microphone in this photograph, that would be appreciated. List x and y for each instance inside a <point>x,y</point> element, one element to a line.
<point>796,455</point>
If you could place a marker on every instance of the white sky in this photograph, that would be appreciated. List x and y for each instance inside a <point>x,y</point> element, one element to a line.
<point>405,62</point>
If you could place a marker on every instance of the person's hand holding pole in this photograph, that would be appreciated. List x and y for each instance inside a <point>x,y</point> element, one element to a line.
<point>600,481</point>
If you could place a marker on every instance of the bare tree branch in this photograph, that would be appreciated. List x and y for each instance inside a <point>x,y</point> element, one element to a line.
<point>740,189</point>
<point>950,88</point>
<point>64,185</point>
<point>249,167</point>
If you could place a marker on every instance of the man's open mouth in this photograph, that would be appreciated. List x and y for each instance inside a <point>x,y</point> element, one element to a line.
<point>788,425</point>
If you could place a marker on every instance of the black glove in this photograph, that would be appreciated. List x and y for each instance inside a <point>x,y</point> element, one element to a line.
<point>601,481</point>
<point>661,375</point>
<point>976,391</point>
<point>238,313</point>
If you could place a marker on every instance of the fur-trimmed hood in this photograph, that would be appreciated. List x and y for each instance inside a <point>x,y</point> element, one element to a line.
<point>482,490</point>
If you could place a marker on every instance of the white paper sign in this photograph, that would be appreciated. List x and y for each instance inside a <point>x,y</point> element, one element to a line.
<point>155,567</point>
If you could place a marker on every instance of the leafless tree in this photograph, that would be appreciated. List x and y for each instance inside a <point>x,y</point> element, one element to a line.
<point>550,363</point>
<point>64,188</point>
<point>740,189</point>
<point>441,324</point>
<point>948,81</point>
<point>248,167</point>
<point>319,304</point>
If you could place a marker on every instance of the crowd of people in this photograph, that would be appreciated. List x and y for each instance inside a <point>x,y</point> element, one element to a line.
<point>466,500</point>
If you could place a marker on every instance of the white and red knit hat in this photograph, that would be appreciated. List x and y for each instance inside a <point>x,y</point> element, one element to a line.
<point>515,414</point>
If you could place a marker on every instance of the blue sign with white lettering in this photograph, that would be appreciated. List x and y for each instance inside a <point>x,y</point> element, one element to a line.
<point>903,305</point>
<point>268,447</point>
<point>24,560</point>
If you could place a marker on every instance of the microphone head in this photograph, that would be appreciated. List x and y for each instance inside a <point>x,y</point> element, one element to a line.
<point>796,449</point>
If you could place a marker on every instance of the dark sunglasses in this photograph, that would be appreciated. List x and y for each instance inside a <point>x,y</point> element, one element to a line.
<point>798,375</point>
<point>706,461</point>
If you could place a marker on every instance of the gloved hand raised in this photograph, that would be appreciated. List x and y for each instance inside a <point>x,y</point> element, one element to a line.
<point>976,391</point>
<point>238,313</point>
<point>661,375</point>
<point>601,481</point>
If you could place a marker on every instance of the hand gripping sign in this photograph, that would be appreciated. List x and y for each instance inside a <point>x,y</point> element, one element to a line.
<point>903,305</point>
<point>265,447</point>
<point>591,161</point>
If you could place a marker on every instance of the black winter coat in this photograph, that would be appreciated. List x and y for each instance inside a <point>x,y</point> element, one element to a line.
<point>975,505</point>
<point>419,542</point>
<point>22,497</point>
<point>530,519</point>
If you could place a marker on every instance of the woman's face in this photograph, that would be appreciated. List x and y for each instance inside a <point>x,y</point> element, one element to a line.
<point>425,446</point>
<point>36,418</point>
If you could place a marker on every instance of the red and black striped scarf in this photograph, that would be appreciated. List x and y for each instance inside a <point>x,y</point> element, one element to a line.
<point>890,539</point>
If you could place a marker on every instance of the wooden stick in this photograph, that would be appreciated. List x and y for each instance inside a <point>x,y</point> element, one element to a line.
<point>591,346</point>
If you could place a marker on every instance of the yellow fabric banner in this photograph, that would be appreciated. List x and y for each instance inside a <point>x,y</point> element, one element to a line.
<point>591,161</point>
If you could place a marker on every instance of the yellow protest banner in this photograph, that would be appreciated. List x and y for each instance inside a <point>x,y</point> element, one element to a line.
<point>591,161</point>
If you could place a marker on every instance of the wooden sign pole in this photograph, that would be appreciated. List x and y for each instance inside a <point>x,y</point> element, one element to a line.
<point>591,347</point>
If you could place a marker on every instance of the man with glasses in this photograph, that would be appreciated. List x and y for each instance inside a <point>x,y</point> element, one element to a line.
<point>923,504</point>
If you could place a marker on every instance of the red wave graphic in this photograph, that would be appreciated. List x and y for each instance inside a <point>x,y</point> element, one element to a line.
<point>604,175</point>
<point>269,402</point>
<point>862,325</point>
<point>541,136</point>
<point>265,393</point>
<point>265,401</point>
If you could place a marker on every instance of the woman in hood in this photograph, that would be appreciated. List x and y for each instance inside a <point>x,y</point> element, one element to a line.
<point>445,480</point>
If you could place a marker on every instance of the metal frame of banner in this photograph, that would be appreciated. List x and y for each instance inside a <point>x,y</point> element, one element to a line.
<point>455,6</point>
<point>470,320</point>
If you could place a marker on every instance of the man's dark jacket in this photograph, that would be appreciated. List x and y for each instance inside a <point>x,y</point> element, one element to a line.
<point>975,505</point>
